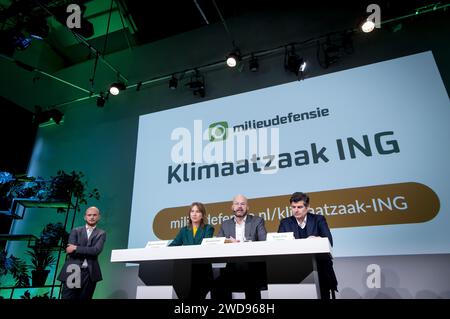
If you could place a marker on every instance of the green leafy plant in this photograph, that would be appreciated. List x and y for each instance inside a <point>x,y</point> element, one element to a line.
<point>16,267</point>
<point>52,234</point>
<point>41,259</point>
<point>27,295</point>
<point>41,253</point>
<point>63,186</point>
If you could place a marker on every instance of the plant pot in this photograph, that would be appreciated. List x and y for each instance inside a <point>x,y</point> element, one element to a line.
<point>39,277</point>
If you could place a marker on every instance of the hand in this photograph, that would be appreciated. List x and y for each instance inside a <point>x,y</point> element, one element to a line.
<point>70,248</point>
<point>232,240</point>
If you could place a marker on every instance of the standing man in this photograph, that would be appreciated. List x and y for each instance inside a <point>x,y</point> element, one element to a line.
<point>307,225</point>
<point>84,245</point>
<point>247,277</point>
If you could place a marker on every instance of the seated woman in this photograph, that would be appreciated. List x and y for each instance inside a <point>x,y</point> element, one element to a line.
<point>193,234</point>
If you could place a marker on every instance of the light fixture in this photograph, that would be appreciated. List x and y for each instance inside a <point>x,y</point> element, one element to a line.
<point>101,100</point>
<point>197,84</point>
<point>331,52</point>
<point>46,118</point>
<point>302,65</point>
<point>21,42</point>
<point>173,82</point>
<point>115,88</point>
<point>368,26</point>
<point>37,28</point>
<point>253,65</point>
<point>294,63</point>
<point>233,58</point>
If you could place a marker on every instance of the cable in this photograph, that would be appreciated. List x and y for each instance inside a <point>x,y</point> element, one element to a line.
<point>107,27</point>
<point>223,22</point>
<point>83,41</point>
<point>201,12</point>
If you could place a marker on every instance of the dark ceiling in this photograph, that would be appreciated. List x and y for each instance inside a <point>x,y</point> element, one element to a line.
<point>119,25</point>
<point>170,18</point>
<point>162,19</point>
<point>137,22</point>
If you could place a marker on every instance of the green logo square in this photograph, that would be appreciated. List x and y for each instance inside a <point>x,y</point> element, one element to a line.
<point>218,131</point>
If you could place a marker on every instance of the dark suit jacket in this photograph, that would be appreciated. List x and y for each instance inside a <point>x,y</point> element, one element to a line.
<point>86,249</point>
<point>186,237</point>
<point>316,225</point>
<point>244,276</point>
<point>254,228</point>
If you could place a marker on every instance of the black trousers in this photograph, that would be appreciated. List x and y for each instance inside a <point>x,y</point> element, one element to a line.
<point>249,278</point>
<point>327,278</point>
<point>201,281</point>
<point>86,290</point>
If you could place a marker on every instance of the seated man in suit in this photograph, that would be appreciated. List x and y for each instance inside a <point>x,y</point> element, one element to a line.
<point>307,225</point>
<point>247,277</point>
<point>84,246</point>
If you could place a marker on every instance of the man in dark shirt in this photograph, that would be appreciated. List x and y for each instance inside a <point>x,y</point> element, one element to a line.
<point>307,225</point>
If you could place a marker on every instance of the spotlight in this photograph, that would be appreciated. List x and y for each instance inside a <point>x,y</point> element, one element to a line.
<point>101,100</point>
<point>47,118</point>
<point>233,58</point>
<point>253,65</point>
<point>197,84</point>
<point>197,87</point>
<point>331,53</point>
<point>115,88</point>
<point>20,41</point>
<point>302,65</point>
<point>56,115</point>
<point>37,28</point>
<point>368,26</point>
<point>294,63</point>
<point>173,83</point>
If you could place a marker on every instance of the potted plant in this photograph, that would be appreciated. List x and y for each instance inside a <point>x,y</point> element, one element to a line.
<point>41,258</point>
<point>41,253</point>
<point>64,186</point>
<point>16,267</point>
<point>52,234</point>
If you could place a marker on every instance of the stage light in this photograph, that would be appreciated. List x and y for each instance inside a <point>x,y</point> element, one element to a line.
<point>253,65</point>
<point>115,88</point>
<point>197,84</point>
<point>197,87</point>
<point>101,100</point>
<point>368,26</point>
<point>20,41</point>
<point>233,58</point>
<point>302,65</point>
<point>37,28</point>
<point>173,83</point>
<point>294,63</point>
<point>49,117</point>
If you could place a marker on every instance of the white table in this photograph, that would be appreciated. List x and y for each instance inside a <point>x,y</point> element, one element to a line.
<point>287,262</point>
